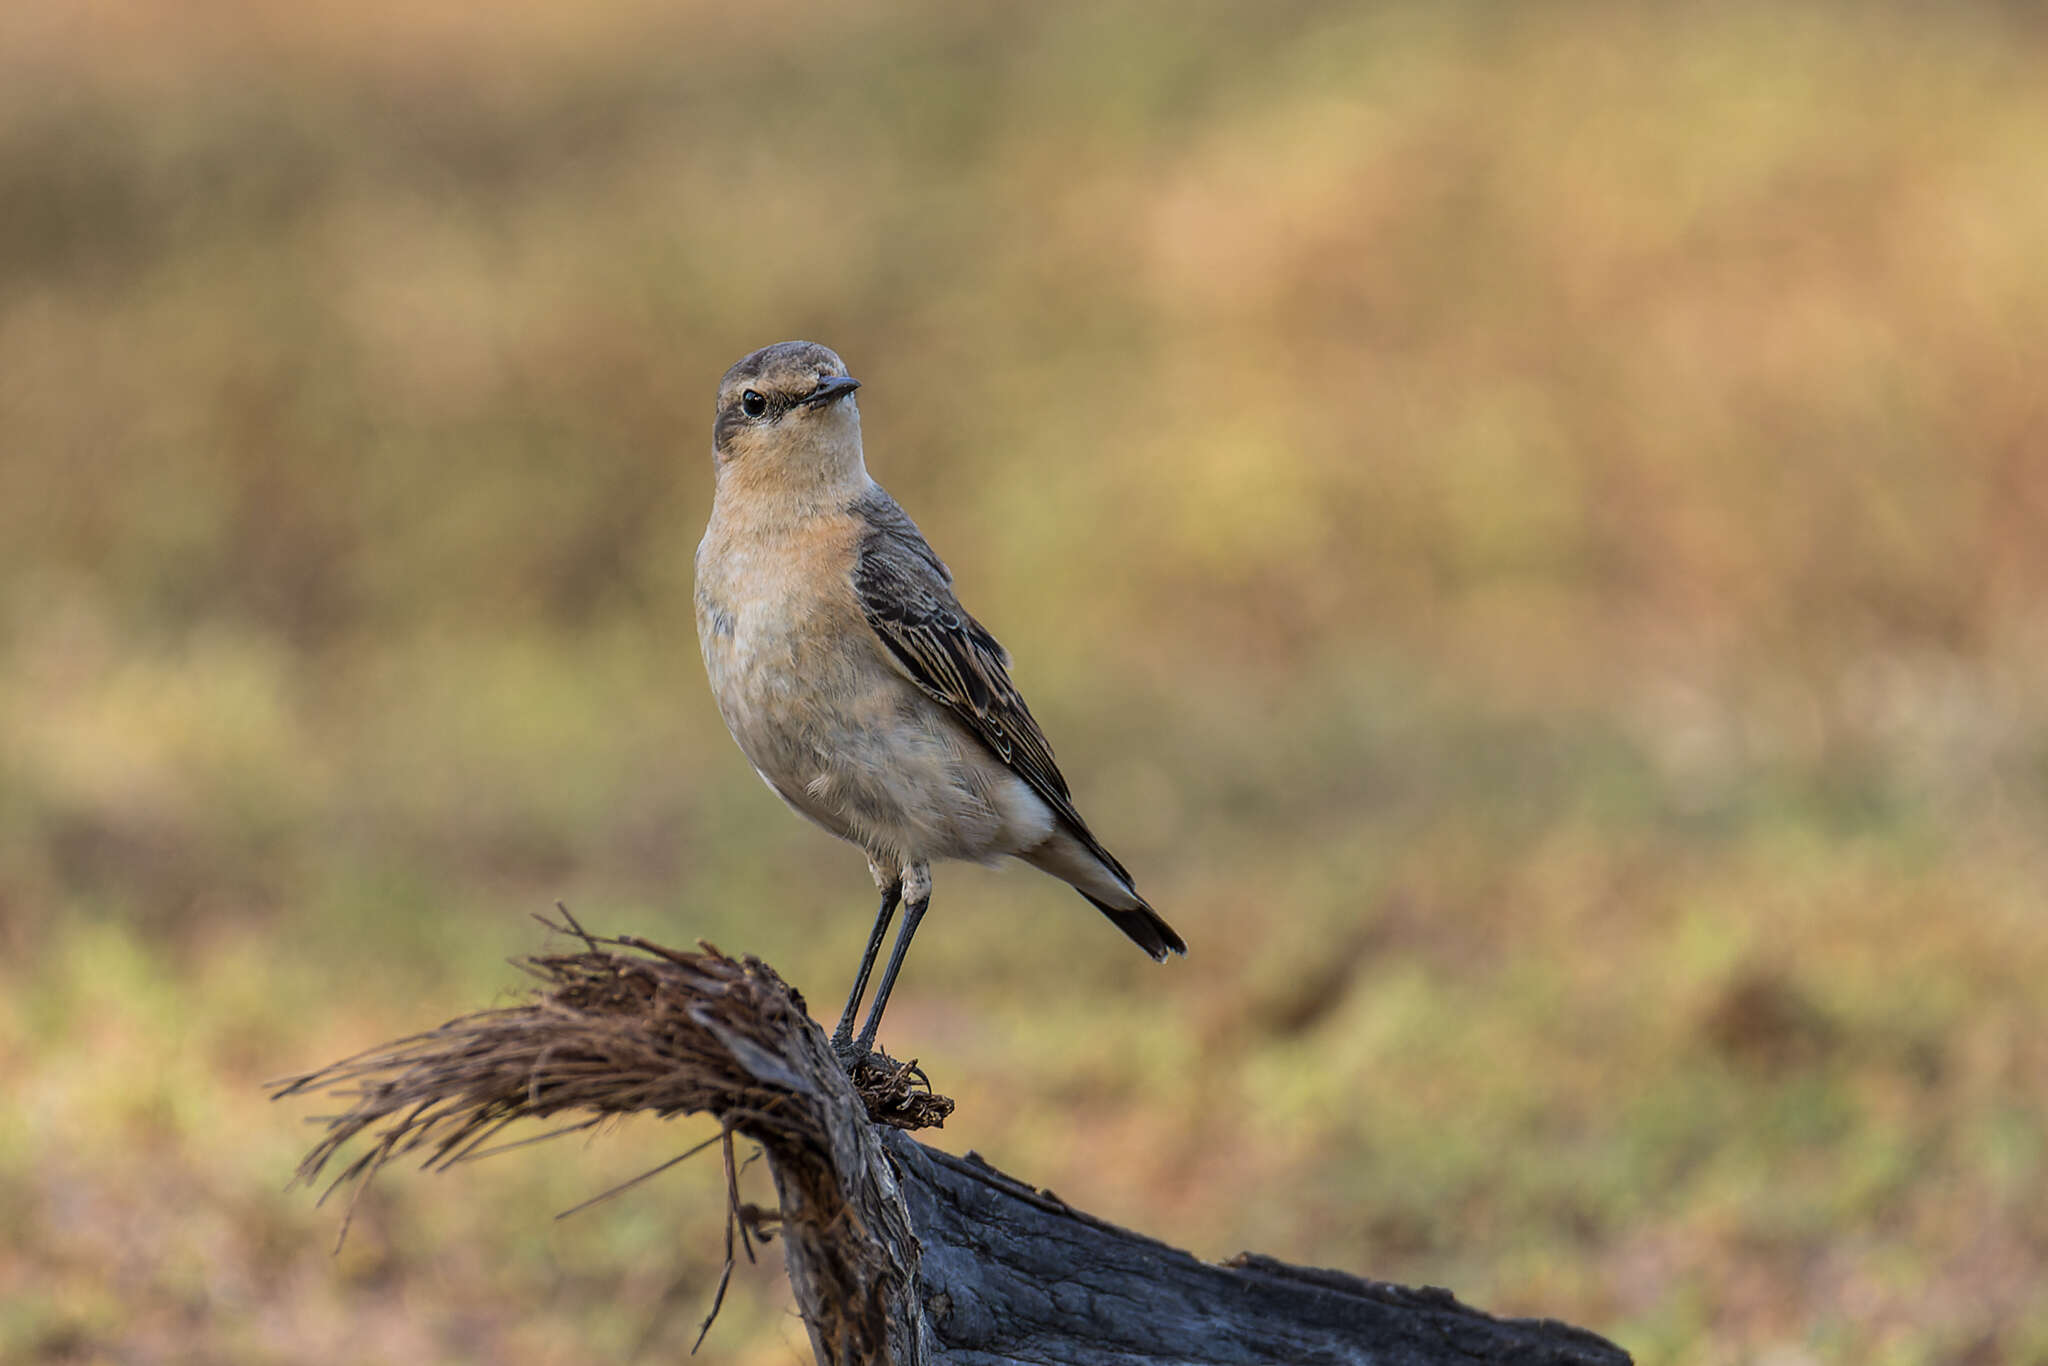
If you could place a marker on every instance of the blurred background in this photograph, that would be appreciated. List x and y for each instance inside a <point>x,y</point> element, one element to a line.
<point>1528,528</point>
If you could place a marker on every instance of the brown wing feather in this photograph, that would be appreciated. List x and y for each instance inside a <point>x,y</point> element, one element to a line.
<point>906,594</point>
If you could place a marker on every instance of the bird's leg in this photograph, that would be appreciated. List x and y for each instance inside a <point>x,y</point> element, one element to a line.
<point>917,897</point>
<point>891,885</point>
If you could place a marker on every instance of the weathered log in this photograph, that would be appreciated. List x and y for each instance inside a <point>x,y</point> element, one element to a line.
<point>1009,1274</point>
<point>897,1253</point>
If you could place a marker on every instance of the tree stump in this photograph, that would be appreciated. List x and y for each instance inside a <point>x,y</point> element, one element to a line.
<point>898,1253</point>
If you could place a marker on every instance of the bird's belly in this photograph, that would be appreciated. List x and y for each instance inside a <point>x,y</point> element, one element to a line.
<point>851,744</point>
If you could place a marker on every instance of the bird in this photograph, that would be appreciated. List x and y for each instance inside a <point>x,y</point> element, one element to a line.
<point>863,694</point>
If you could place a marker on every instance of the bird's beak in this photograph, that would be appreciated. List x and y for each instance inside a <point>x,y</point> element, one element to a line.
<point>829,388</point>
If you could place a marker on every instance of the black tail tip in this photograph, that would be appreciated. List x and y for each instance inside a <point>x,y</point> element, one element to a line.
<point>1145,928</point>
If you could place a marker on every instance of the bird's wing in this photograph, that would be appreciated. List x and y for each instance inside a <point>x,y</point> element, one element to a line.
<point>906,594</point>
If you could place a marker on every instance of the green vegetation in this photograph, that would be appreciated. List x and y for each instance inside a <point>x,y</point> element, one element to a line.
<point>1529,529</point>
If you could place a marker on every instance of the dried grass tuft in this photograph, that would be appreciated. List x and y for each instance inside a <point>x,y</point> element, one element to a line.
<point>623,1026</point>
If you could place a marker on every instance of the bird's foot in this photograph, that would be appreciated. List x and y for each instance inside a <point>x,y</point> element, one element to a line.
<point>862,1060</point>
<point>850,1054</point>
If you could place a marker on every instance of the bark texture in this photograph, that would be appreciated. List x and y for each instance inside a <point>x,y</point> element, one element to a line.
<point>1009,1274</point>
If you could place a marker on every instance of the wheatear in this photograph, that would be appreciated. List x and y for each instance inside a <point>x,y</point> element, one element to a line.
<point>854,681</point>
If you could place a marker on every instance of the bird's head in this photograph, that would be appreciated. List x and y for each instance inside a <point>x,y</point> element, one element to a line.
<point>786,415</point>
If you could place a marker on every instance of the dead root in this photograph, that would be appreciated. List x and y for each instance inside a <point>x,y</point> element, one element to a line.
<point>899,1094</point>
<point>621,1027</point>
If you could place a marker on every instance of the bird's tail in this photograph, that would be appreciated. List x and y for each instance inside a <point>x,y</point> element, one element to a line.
<point>1145,926</point>
<point>1078,859</point>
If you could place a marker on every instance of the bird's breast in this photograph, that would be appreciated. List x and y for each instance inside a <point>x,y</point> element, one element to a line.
<point>785,646</point>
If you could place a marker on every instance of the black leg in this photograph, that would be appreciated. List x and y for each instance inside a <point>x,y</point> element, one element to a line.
<point>842,1035</point>
<point>912,913</point>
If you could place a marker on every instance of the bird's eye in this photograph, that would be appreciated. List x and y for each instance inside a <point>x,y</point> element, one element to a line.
<point>752,404</point>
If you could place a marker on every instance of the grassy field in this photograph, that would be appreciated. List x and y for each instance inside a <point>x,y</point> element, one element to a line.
<point>1528,528</point>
